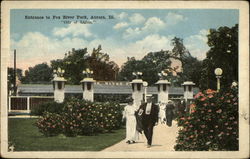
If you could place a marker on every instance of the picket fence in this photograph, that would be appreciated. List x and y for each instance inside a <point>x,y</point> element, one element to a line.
<point>25,104</point>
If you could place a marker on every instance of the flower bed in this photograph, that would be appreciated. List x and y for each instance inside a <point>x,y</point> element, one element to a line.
<point>79,117</point>
<point>212,123</point>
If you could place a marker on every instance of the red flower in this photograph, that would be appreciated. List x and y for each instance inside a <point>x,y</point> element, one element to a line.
<point>219,111</point>
<point>210,96</point>
<point>210,91</point>
<point>198,95</point>
<point>209,110</point>
<point>203,99</point>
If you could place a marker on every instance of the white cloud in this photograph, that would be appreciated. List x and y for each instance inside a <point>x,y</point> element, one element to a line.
<point>136,18</point>
<point>150,43</point>
<point>197,44</point>
<point>120,25</point>
<point>152,25</point>
<point>174,18</point>
<point>74,30</point>
<point>123,15</point>
<point>34,48</point>
<point>119,52</point>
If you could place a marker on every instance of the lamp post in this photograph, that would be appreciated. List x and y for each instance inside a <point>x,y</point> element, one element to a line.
<point>218,72</point>
<point>163,87</point>
<point>88,85</point>
<point>59,85</point>
<point>145,84</point>
<point>137,91</point>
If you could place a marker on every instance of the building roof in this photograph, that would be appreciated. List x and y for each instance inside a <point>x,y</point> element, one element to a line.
<point>98,89</point>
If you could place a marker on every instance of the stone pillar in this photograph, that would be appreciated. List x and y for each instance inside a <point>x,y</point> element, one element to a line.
<point>188,90</point>
<point>163,90</point>
<point>58,86</point>
<point>88,89</point>
<point>137,88</point>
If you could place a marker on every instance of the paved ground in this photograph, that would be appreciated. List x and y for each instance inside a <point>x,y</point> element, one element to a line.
<point>163,140</point>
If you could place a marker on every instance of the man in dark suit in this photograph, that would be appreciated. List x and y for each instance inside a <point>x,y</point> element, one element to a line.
<point>149,117</point>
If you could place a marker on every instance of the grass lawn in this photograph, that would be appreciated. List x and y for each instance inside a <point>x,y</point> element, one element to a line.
<point>26,137</point>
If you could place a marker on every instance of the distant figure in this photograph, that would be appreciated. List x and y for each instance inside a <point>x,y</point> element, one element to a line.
<point>129,115</point>
<point>162,112</point>
<point>170,112</point>
<point>148,113</point>
<point>187,109</point>
<point>182,106</point>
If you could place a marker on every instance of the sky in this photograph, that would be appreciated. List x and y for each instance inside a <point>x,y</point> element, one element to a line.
<point>123,33</point>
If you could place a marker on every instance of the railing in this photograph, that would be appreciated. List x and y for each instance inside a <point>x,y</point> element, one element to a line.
<point>26,103</point>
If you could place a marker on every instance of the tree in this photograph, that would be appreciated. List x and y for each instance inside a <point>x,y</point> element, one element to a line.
<point>78,60</point>
<point>40,73</point>
<point>179,51</point>
<point>103,68</point>
<point>11,77</point>
<point>150,65</point>
<point>223,53</point>
<point>191,66</point>
<point>73,63</point>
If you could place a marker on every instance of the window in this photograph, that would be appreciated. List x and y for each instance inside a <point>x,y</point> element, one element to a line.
<point>164,87</point>
<point>189,88</point>
<point>89,85</point>
<point>133,87</point>
<point>138,86</point>
<point>59,84</point>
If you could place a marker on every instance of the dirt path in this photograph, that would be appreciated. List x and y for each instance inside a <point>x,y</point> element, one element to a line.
<point>163,140</point>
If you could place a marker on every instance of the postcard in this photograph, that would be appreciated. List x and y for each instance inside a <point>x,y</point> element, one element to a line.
<point>125,79</point>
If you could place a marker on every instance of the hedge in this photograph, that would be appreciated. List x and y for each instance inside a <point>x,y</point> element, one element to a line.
<point>80,117</point>
<point>212,124</point>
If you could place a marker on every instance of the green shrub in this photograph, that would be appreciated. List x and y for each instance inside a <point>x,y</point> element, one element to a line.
<point>50,124</point>
<point>80,117</point>
<point>52,107</point>
<point>212,123</point>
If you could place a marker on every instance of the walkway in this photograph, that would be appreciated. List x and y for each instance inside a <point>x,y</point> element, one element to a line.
<point>163,140</point>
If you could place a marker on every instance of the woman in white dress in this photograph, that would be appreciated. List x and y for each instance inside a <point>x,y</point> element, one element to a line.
<point>129,115</point>
<point>162,112</point>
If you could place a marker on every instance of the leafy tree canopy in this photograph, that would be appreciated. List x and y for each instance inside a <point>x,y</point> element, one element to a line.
<point>78,60</point>
<point>40,73</point>
<point>223,53</point>
<point>155,62</point>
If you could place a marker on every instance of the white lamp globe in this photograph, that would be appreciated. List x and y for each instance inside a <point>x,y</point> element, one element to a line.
<point>145,84</point>
<point>218,71</point>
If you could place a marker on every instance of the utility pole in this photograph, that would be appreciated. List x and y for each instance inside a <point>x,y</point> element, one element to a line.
<point>14,84</point>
